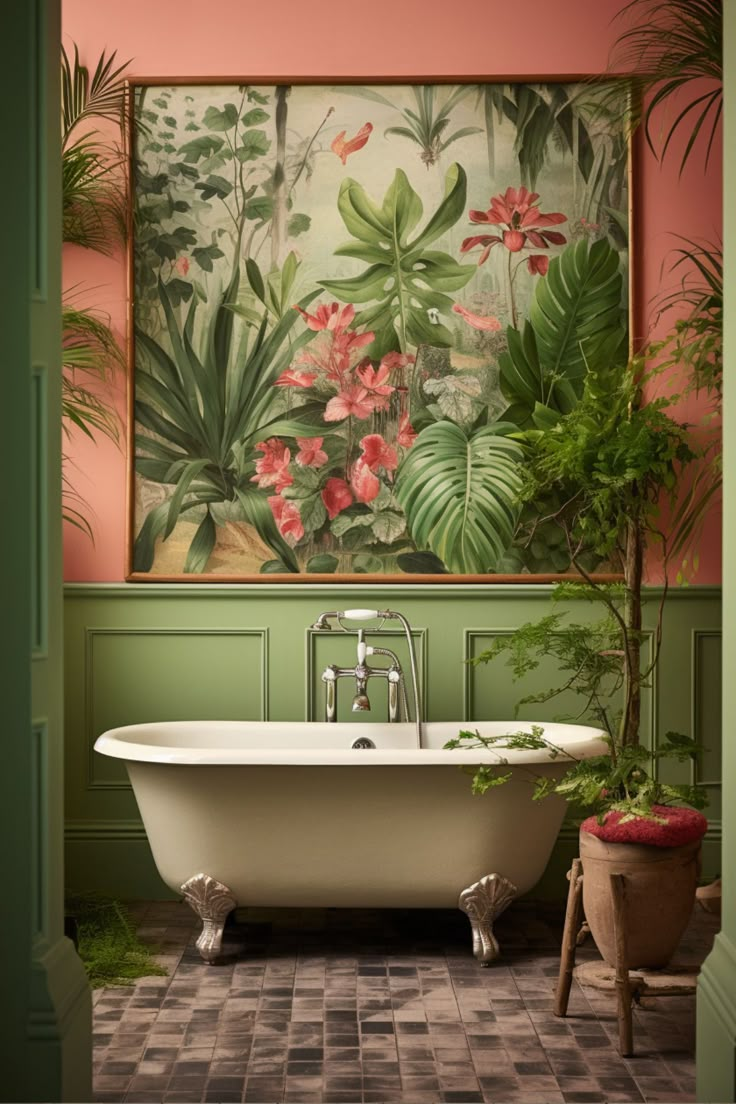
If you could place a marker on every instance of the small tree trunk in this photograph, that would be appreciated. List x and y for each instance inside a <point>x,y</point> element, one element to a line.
<point>633,569</point>
<point>280,213</point>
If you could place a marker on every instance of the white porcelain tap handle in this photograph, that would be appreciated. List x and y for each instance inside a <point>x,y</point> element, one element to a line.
<point>360,614</point>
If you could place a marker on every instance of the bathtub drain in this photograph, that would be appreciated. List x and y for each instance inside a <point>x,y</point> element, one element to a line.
<point>362,742</point>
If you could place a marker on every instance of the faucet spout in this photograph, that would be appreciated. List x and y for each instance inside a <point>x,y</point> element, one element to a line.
<point>361,703</point>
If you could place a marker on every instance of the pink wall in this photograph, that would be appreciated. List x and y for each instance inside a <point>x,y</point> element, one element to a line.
<point>402,38</point>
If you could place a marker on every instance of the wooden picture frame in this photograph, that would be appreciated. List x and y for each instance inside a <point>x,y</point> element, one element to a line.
<point>344,299</point>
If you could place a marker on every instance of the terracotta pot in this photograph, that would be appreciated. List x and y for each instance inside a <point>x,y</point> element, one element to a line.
<point>660,893</point>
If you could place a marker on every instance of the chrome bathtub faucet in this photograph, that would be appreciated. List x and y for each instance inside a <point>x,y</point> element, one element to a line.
<point>363,671</point>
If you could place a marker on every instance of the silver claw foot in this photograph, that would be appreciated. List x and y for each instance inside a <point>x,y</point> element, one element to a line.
<point>483,902</point>
<point>212,901</point>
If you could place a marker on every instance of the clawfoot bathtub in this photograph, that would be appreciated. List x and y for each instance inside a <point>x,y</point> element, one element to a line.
<point>289,814</point>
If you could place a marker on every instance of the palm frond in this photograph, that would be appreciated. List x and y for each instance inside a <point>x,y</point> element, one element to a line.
<point>102,96</point>
<point>90,351</point>
<point>94,212</point>
<point>672,43</point>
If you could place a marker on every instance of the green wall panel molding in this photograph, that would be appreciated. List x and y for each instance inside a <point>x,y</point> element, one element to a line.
<point>248,651</point>
<point>231,663</point>
<point>45,1010</point>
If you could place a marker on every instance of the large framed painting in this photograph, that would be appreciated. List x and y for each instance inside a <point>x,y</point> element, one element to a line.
<point>346,302</point>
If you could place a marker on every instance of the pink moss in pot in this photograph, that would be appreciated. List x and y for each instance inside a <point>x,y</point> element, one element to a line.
<point>673,827</point>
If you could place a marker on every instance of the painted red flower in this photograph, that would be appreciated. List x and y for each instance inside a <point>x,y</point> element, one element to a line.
<point>344,148</point>
<point>311,454</point>
<point>351,402</point>
<point>522,222</point>
<point>292,377</point>
<point>396,360</point>
<point>477,321</point>
<point>182,266</point>
<point>287,517</point>
<point>377,454</point>
<point>407,434</point>
<point>329,317</point>
<point>337,496</point>
<point>272,469</point>
<point>364,483</point>
<point>538,264</point>
<point>374,381</point>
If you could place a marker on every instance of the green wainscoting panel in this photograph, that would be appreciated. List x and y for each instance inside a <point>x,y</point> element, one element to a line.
<point>141,652</point>
<point>199,673</point>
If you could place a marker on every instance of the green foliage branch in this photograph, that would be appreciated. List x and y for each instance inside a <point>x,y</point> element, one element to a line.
<point>621,781</point>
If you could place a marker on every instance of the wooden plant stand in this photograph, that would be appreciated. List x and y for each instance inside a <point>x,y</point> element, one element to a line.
<point>629,985</point>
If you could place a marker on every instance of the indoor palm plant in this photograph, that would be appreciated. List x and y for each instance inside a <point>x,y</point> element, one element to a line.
<point>93,217</point>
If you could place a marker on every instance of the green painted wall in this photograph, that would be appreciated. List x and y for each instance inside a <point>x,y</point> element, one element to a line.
<point>153,652</point>
<point>716,1019</point>
<point>45,1007</point>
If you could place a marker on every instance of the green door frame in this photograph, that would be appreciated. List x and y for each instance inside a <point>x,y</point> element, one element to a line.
<point>45,1007</point>
<point>716,1017</point>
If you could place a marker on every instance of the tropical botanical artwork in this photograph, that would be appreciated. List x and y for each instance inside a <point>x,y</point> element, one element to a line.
<point>349,301</point>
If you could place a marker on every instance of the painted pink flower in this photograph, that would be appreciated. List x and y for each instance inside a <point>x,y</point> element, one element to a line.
<point>377,454</point>
<point>292,377</point>
<point>477,321</point>
<point>287,517</point>
<point>272,469</point>
<point>396,360</point>
<point>333,354</point>
<point>374,381</point>
<point>407,434</point>
<point>343,148</point>
<point>182,266</point>
<point>336,496</point>
<point>522,221</point>
<point>329,317</point>
<point>311,454</point>
<point>351,402</point>
<point>364,483</point>
<point>538,264</point>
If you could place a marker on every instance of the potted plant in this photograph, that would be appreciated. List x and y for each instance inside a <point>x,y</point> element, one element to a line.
<point>614,464</point>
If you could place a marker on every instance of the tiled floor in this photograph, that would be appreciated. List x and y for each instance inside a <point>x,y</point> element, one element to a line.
<point>339,1006</point>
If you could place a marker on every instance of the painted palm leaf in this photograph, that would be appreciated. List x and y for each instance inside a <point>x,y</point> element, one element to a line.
<point>459,493</point>
<point>575,317</point>
<point>206,408</point>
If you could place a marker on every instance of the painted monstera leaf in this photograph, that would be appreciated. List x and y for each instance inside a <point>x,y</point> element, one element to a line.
<point>404,280</point>
<point>459,493</point>
<point>574,320</point>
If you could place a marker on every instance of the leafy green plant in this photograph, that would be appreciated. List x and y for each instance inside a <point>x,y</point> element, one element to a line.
<point>108,946</point>
<point>575,316</point>
<point>620,781</point>
<point>205,409</point>
<point>694,347</point>
<point>93,217</point>
<point>93,192</point>
<point>458,491</point>
<point>404,279</point>
<point>615,462</point>
<point>673,43</point>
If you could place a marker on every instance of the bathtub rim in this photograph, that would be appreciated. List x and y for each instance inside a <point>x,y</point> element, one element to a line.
<point>578,741</point>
